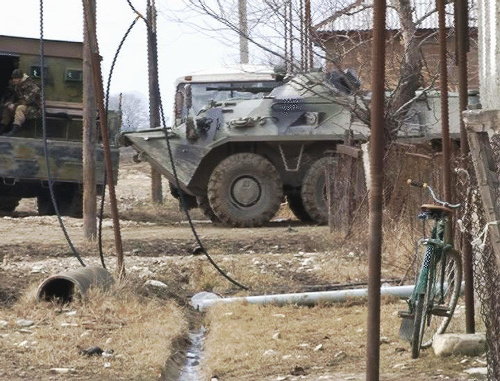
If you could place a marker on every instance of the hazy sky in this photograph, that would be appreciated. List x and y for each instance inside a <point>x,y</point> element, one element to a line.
<point>181,48</point>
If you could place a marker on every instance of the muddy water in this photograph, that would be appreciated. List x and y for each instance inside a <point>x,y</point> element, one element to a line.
<point>191,369</point>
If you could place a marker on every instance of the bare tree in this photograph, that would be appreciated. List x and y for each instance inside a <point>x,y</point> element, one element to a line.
<point>134,109</point>
<point>276,28</point>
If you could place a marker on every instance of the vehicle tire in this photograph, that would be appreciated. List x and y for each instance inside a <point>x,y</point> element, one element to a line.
<point>245,190</point>
<point>439,314</point>
<point>44,204</point>
<point>297,207</point>
<point>8,204</point>
<point>71,202</point>
<point>205,207</point>
<point>313,190</point>
<point>418,323</point>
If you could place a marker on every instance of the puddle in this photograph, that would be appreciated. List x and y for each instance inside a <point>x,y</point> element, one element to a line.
<point>191,369</point>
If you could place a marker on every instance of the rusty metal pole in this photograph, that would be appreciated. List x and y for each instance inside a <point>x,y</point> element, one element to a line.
<point>462,29</point>
<point>443,78</point>
<point>376,200</point>
<point>154,103</point>
<point>89,144</point>
<point>95,60</point>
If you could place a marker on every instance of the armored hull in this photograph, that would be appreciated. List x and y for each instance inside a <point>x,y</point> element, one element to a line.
<point>240,158</point>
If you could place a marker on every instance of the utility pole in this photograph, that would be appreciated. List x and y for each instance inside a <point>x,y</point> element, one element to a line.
<point>154,104</point>
<point>89,142</point>
<point>242,6</point>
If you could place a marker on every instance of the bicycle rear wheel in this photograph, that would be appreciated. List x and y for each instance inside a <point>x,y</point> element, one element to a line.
<point>443,291</point>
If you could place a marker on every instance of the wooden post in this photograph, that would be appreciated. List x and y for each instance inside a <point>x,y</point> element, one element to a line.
<point>89,144</point>
<point>478,122</point>
<point>95,61</point>
<point>154,104</point>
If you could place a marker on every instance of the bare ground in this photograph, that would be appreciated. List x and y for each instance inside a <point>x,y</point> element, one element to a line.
<point>242,341</point>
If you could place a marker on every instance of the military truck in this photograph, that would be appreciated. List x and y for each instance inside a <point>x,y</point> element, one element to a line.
<point>23,170</point>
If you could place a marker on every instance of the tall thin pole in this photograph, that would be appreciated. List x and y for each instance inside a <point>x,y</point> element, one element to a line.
<point>309,51</point>
<point>89,143</point>
<point>154,103</point>
<point>242,7</point>
<point>462,28</point>
<point>443,78</point>
<point>376,189</point>
<point>95,60</point>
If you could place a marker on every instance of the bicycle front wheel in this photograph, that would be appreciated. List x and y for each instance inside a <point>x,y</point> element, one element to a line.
<point>417,326</point>
<point>443,291</point>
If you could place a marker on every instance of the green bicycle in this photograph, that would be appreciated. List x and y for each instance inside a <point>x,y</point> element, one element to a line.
<point>437,285</point>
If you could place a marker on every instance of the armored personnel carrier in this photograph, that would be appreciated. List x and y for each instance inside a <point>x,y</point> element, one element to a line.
<point>237,159</point>
<point>23,170</point>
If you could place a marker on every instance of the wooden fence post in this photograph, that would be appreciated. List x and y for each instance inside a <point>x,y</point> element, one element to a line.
<point>478,123</point>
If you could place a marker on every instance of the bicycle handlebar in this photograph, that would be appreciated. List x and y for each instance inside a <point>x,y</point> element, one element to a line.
<point>420,184</point>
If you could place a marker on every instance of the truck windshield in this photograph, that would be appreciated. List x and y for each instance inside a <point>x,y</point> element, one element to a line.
<point>203,93</point>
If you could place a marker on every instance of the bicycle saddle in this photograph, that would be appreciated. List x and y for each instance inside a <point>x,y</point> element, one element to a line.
<point>436,209</point>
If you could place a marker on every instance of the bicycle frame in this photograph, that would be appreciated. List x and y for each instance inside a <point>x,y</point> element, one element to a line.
<point>437,246</point>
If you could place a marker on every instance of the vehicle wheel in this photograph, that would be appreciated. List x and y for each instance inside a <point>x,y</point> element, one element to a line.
<point>417,325</point>
<point>205,207</point>
<point>297,207</point>
<point>71,202</point>
<point>245,190</point>
<point>44,204</point>
<point>314,190</point>
<point>439,310</point>
<point>8,204</point>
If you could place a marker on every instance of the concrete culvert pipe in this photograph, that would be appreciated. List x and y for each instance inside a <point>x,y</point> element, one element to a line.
<point>64,286</point>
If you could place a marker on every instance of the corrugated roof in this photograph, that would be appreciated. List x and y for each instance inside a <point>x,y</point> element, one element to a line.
<point>357,15</point>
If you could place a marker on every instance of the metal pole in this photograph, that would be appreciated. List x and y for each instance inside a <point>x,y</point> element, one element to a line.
<point>461,28</point>
<point>445,128</point>
<point>154,103</point>
<point>95,60</point>
<point>242,7</point>
<point>376,189</point>
<point>89,144</point>
<point>308,41</point>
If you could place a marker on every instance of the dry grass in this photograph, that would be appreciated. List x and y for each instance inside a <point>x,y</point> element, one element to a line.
<point>141,332</point>
<point>249,342</point>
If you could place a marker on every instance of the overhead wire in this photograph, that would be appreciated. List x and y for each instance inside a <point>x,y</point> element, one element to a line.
<point>108,86</point>
<point>45,145</point>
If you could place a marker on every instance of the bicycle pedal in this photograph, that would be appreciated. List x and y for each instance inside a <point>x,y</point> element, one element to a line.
<point>441,311</point>
<point>405,314</point>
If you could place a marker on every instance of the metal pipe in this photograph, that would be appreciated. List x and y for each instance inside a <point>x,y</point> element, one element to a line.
<point>64,286</point>
<point>303,299</point>
<point>462,29</point>
<point>443,78</point>
<point>377,143</point>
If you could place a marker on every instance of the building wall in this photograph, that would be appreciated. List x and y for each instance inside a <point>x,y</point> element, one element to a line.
<point>354,52</point>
